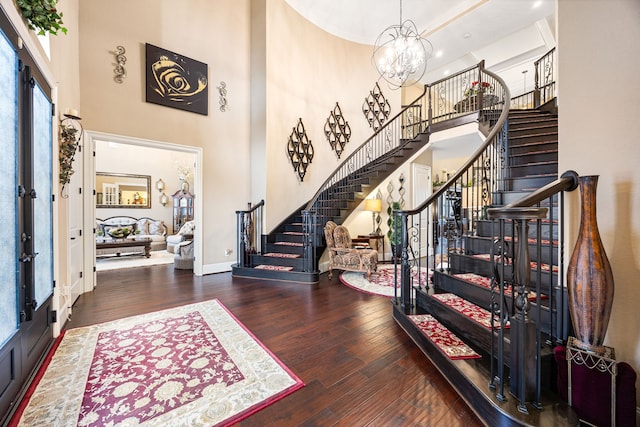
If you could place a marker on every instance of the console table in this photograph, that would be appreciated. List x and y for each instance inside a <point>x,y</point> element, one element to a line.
<point>378,238</point>
<point>126,243</point>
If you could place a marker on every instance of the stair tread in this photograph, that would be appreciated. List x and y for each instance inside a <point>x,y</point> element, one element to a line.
<point>468,309</point>
<point>439,335</point>
<point>485,282</point>
<point>534,265</point>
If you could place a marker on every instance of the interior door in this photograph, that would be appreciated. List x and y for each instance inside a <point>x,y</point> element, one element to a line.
<point>422,189</point>
<point>75,247</point>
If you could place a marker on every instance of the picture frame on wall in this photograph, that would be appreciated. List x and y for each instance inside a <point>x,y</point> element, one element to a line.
<point>176,81</point>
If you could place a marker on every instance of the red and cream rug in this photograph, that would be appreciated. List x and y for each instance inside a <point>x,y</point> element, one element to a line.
<point>449,344</point>
<point>382,282</point>
<point>194,365</point>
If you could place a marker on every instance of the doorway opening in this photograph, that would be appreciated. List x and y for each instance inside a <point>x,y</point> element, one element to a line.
<point>170,167</point>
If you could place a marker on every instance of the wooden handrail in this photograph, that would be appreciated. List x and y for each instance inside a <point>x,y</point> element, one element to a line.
<point>568,181</point>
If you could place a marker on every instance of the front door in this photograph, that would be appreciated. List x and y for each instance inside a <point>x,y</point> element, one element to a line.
<point>26,197</point>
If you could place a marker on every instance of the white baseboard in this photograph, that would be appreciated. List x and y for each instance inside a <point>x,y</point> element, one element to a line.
<point>222,267</point>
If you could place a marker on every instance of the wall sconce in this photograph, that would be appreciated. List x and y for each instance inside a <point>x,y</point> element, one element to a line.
<point>164,199</point>
<point>120,72</point>
<point>160,185</point>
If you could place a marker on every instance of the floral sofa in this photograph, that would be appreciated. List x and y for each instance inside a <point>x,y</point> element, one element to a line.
<point>151,228</point>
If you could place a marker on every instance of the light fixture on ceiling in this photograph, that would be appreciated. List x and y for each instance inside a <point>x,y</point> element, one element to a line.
<point>400,54</point>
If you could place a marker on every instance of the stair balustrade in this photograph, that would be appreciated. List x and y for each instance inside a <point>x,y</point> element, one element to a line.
<point>548,323</point>
<point>544,84</point>
<point>249,233</point>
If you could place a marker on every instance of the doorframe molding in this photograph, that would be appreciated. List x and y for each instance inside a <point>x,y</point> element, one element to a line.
<point>89,139</point>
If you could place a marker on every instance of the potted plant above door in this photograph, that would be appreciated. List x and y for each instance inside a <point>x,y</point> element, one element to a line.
<point>42,15</point>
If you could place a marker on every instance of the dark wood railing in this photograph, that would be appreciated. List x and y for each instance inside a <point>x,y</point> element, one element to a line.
<point>529,329</point>
<point>544,84</point>
<point>249,233</point>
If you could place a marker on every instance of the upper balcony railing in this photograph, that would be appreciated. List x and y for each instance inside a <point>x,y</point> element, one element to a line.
<point>544,84</point>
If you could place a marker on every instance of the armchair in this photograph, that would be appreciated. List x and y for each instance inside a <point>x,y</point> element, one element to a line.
<point>185,232</point>
<point>342,256</point>
<point>183,258</point>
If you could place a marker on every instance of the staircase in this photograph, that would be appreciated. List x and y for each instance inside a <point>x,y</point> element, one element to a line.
<point>283,254</point>
<point>471,272</point>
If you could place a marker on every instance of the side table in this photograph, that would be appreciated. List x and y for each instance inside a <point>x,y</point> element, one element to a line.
<point>379,239</point>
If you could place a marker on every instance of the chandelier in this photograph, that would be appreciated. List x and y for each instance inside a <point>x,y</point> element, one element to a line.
<point>400,54</point>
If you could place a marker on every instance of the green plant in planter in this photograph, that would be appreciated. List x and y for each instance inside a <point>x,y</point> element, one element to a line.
<point>42,15</point>
<point>67,150</point>
<point>395,231</point>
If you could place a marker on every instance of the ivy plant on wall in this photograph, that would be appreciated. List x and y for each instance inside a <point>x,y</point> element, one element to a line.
<point>42,15</point>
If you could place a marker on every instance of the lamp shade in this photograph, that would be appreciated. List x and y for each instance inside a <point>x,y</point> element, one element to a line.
<point>373,205</point>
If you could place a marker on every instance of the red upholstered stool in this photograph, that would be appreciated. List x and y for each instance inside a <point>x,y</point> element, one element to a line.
<point>591,392</point>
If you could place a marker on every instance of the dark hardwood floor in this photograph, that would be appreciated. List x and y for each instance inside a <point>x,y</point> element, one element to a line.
<point>359,367</point>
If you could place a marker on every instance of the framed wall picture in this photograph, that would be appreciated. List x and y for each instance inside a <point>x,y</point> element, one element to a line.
<point>176,81</point>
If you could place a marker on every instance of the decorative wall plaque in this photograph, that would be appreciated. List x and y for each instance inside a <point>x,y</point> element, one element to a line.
<point>337,130</point>
<point>376,108</point>
<point>300,150</point>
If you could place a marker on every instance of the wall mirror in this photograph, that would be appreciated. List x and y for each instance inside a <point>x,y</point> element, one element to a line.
<point>121,190</point>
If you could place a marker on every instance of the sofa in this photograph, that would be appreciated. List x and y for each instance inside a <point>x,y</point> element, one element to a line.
<point>143,227</point>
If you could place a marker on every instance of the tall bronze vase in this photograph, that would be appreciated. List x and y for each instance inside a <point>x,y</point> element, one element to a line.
<point>589,276</point>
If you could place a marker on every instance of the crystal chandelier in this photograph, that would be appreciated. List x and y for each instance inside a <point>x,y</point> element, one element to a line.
<point>400,54</point>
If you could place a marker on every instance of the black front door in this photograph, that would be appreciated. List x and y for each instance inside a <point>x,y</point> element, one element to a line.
<point>26,229</point>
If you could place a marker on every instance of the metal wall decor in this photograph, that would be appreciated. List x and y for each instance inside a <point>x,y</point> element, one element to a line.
<point>120,72</point>
<point>376,108</point>
<point>337,130</point>
<point>222,89</point>
<point>176,81</point>
<point>300,150</point>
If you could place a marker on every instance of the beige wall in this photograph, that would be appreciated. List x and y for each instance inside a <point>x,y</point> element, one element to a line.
<point>216,33</point>
<point>308,71</point>
<point>599,59</point>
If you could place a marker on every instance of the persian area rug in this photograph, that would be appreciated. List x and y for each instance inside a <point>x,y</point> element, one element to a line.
<point>449,344</point>
<point>468,309</point>
<point>194,365</point>
<point>382,282</point>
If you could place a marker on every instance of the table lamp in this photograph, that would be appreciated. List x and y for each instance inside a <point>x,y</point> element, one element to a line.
<point>375,207</point>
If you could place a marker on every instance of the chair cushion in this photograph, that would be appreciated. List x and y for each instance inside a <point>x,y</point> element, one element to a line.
<point>156,227</point>
<point>341,237</point>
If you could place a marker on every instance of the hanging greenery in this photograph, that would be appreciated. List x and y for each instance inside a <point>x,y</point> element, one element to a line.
<point>42,15</point>
<point>68,146</point>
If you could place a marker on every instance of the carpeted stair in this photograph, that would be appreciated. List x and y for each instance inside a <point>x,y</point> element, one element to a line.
<point>466,279</point>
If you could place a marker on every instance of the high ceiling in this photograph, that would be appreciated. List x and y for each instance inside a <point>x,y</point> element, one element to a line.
<point>508,34</point>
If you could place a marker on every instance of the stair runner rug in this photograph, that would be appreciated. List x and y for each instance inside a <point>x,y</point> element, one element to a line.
<point>194,365</point>
<point>382,282</point>
<point>282,255</point>
<point>468,309</point>
<point>273,267</point>
<point>534,265</point>
<point>449,344</point>
<point>485,282</point>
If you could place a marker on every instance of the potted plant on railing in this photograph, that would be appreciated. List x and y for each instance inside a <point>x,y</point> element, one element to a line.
<point>470,102</point>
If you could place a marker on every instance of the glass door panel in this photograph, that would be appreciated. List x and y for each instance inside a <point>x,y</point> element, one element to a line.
<point>8,193</point>
<point>42,176</point>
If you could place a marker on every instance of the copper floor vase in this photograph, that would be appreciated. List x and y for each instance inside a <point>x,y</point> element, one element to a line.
<point>589,276</point>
